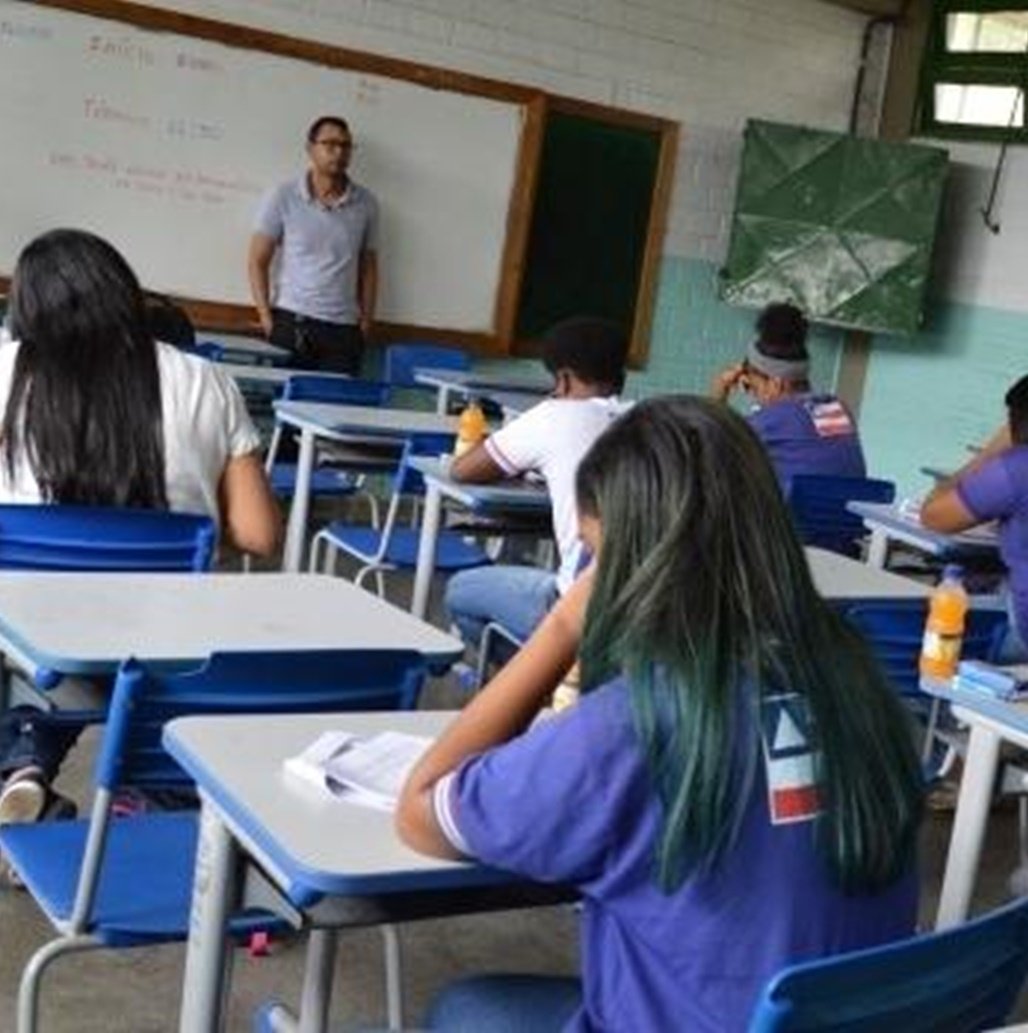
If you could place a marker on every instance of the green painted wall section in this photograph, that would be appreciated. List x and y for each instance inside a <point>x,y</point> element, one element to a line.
<point>695,335</point>
<point>927,397</point>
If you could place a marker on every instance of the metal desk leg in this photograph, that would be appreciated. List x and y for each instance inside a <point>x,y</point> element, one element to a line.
<point>425,566</point>
<point>296,529</point>
<point>442,400</point>
<point>878,548</point>
<point>965,845</point>
<point>317,981</point>
<point>214,889</point>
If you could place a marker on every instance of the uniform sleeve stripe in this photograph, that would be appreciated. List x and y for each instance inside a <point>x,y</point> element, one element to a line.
<point>442,804</point>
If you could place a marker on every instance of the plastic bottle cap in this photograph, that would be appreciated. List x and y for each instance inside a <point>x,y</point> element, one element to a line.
<point>952,572</point>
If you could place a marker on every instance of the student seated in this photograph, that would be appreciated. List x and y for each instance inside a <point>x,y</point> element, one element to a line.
<point>804,431</point>
<point>586,358</point>
<point>994,486</point>
<point>96,412</point>
<point>737,788</point>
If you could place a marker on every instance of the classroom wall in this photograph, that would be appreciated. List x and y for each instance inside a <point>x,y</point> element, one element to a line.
<point>927,397</point>
<point>709,64</point>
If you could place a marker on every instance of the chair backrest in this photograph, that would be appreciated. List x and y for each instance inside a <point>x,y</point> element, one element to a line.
<point>52,537</point>
<point>819,510</point>
<point>407,480</point>
<point>401,360</point>
<point>205,349</point>
<point>963,979</point>
<point>895,630</point>
<point>239,683</point>
<point>310,387</point>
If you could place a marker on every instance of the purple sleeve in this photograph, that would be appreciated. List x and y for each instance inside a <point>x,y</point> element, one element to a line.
<point>988,493</point>
<point>555,803</point>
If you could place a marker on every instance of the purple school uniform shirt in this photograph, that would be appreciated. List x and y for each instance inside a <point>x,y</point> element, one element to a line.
<point>809,434</point>
<point>571,801</point>
<point>998,490</point>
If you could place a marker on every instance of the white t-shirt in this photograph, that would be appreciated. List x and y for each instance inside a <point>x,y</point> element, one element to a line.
<point>552,437</point>
<point>205,424</point>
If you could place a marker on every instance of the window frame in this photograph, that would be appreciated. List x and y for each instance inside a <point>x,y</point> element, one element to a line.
<point>940,66</point>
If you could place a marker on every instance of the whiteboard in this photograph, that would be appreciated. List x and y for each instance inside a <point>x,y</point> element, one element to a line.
<point>164,144</point>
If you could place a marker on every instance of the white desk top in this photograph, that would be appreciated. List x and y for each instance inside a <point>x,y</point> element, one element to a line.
<point>327,419</point>
<point>461,380</point>
<point>305,838</point>
<point>243,344</point>
<point>910,529</point>
<point>88,623</point>
<point>270,374</point>
<point>515,494</point>
<point>840,578</point>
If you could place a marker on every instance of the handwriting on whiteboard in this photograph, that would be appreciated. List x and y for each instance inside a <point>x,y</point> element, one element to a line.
<point>22,32</point>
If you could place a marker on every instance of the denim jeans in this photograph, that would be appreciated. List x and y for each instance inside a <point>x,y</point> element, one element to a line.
<point>516,597</point>
<point>505,1004</point>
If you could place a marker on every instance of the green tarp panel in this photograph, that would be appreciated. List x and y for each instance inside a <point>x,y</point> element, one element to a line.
<point>842,227</point>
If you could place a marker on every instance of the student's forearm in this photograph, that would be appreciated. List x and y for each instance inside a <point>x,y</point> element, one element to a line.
<point>501,711</point>
<point>999,442</point>
<point>368,291</point>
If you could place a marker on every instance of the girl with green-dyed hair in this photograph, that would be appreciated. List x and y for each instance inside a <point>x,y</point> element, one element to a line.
<point>736,790</point>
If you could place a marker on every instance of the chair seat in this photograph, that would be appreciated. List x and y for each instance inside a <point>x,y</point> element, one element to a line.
<point>146,887</point>
<point>452,551</point>
<point>324,480</point>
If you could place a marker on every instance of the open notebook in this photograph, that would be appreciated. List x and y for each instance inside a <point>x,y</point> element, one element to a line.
<point>367,770</point>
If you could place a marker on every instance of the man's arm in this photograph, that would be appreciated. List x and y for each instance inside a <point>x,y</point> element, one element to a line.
<point>262,250</point>
<point>367,289</point>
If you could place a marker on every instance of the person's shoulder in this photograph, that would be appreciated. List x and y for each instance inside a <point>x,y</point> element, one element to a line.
<point>362,193</point>
<point>188,371</point>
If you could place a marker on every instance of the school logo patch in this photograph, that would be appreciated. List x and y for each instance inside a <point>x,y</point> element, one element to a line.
<point>788,759</point>
<point>830,418</point>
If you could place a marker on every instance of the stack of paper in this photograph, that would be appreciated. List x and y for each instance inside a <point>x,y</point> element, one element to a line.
<point>1004,683</point>
<point>368,771</point>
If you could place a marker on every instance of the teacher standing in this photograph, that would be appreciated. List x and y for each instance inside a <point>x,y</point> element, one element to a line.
<point>325,227</point>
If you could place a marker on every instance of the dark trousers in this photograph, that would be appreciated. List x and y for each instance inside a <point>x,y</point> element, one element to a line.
<point>317,345</point>
<point>30,737</point>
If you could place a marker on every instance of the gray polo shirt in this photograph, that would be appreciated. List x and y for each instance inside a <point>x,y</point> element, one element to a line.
<point>320,248</point>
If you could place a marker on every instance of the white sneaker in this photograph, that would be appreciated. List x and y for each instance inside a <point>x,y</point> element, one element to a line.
<point>23,797</point>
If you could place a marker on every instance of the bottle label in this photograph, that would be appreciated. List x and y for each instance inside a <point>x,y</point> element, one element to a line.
<point>941,648</point>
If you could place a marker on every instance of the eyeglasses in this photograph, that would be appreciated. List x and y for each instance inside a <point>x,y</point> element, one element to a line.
<point>336,145</point>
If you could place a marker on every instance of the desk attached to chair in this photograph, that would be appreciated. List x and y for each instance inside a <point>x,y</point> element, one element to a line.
<point>88,623</point>
<point>351,424</point>
<point>357,876</point>
<point>518,393</point>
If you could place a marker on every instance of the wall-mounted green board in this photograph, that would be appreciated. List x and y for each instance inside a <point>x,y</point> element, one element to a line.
<point>841,226</point>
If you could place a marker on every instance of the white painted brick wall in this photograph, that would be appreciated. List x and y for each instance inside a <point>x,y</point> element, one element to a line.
<point>709,64</point>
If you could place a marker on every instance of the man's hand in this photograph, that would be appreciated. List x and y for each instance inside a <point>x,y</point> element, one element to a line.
<point>727,381</point>
<point>365,328</point>
<point>264,319</point>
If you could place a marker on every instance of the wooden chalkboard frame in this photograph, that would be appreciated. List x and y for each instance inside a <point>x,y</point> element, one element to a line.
<point>536,105</point>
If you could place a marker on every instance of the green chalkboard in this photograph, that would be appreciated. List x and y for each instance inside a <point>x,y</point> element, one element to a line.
<point>590,223</point>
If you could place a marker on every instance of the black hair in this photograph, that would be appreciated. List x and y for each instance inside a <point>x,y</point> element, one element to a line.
<point>782,332</point>
<point>595,350</point>
<point>169,322</point>
<point>85,401</point>
<point>1016,401</point>
<point>326,120</point>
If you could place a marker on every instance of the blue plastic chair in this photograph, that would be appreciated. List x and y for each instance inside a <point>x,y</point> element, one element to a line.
<point>128,881</point>
<point>52,537</point>
<point>958,981</point>
<point>205,350</point>
<point>819,510</point>
<point>391,547</point>
<point>401,360</point>
<point>895,631</point>
<point>99,538</point>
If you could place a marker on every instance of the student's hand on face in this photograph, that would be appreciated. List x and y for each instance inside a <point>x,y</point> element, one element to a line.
<point>727,381</point>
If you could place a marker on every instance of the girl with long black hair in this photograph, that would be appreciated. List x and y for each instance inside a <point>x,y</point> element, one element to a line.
<point>737,788</point>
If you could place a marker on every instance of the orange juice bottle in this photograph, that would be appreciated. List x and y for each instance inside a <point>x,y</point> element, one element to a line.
<point>944,629</point>
<point>471,428</point>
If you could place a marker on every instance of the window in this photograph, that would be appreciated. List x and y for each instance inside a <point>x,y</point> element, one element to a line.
<point>976,71</point>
